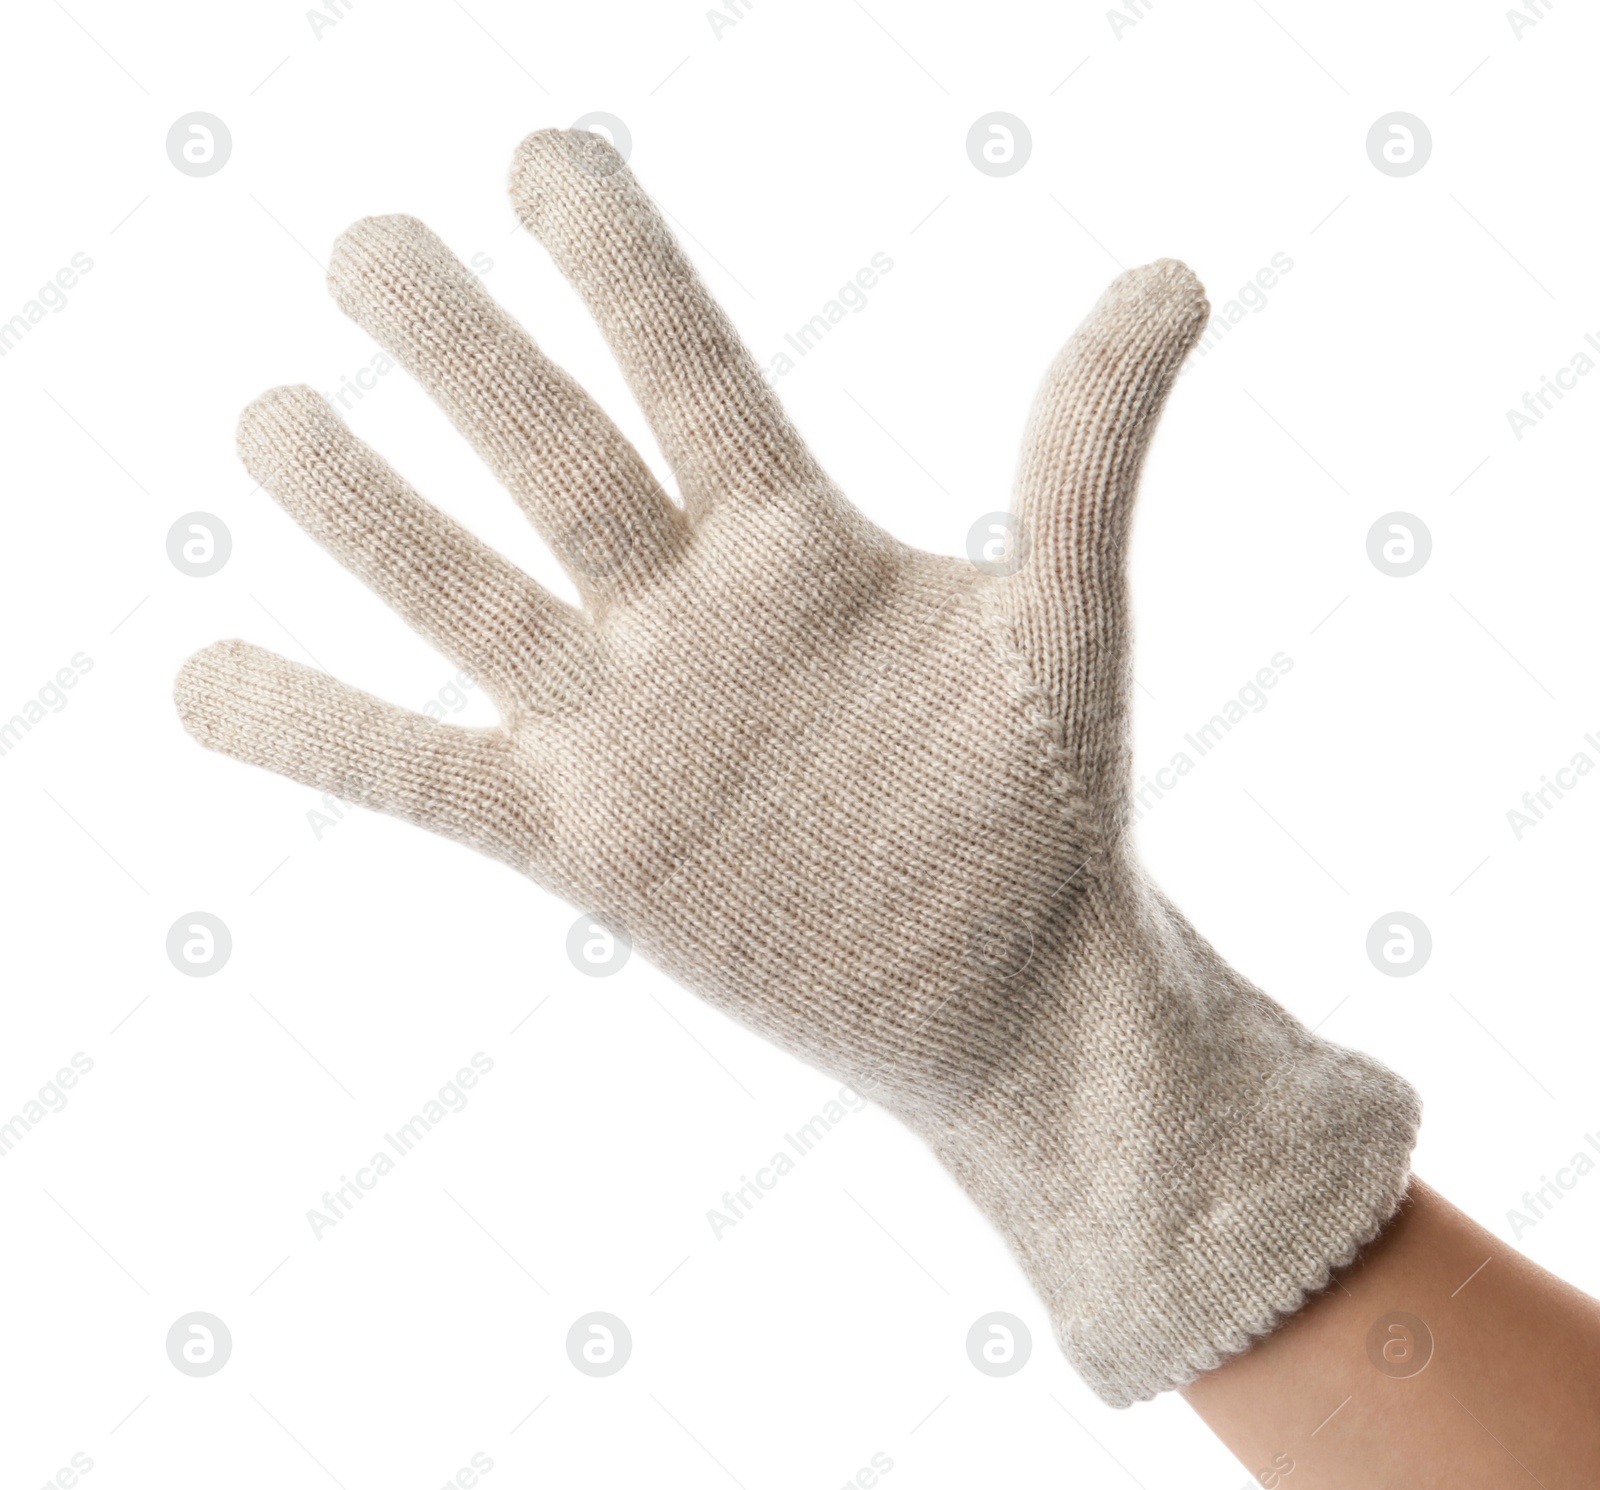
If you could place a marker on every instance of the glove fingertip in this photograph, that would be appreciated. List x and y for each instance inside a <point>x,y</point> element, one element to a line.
<point>200,683</point>
<point>368,247</point>
<point>1165,288</point>
<point>547,159</point>
<point>265,421</point>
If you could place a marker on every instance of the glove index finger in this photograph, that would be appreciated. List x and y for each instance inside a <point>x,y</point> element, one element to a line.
<point>569,467</point>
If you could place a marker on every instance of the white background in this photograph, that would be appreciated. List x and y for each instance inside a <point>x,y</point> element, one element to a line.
<point>372,962</point>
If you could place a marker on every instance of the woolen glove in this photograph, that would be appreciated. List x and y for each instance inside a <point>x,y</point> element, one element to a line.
<point>872,802</point>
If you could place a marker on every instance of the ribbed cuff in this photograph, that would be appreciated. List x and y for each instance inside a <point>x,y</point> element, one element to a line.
<point>1172,1248</point>
<point>1291,1203</point>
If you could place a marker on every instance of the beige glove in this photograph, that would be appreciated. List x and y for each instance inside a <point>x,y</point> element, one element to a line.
<point>870,801</point>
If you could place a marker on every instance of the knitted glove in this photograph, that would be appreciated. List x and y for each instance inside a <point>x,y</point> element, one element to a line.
<point>872,802</point>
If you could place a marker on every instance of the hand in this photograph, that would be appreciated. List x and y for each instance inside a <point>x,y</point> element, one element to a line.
<point>871,801</point>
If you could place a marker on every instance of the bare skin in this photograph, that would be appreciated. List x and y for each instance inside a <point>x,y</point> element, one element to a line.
<point>1499,1388</point>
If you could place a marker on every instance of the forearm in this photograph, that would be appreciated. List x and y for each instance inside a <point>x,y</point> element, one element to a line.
<point>1492,1381</point>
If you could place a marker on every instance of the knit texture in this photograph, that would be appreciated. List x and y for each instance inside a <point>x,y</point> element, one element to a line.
<point>870,801</point>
